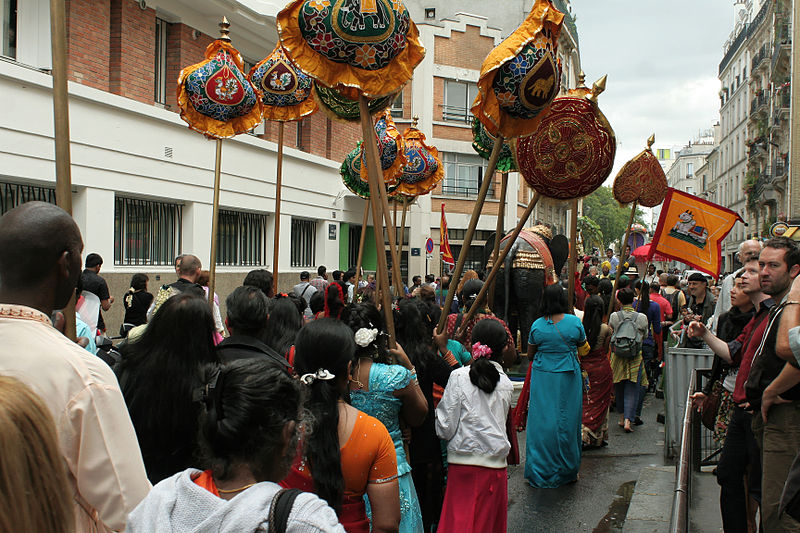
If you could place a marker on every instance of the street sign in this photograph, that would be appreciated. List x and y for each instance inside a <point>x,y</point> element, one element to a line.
<point>415,252</point>
<point>429,246</point>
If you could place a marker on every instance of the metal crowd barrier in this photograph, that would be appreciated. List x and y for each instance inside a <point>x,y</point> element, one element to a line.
<point>680,364</point>
<point>679,520</point>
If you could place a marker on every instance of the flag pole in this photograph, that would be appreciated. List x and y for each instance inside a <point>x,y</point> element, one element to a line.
<point>473,222</point>
<point>573,256</point>
<point>361,242</point>
<point>619,266</point>
<point>278,186</point>
<point>498,234</point>
<point>496,265</point>
<point>63,164</point>
<point>376,184</point>
<point>212,271</point>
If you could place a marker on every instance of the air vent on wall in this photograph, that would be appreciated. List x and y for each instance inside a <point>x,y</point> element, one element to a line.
<point>168,152</point>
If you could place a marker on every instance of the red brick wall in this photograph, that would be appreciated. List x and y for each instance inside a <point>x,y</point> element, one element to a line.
<point>88,25</point>
<point>182,50</point>
<point>132,51</point>
<point>462,49</point>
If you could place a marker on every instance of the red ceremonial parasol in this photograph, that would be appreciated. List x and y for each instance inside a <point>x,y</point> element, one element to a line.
<point>643,253</point>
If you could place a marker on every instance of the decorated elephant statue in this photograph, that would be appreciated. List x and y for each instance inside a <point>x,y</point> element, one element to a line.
<point>534,261</point>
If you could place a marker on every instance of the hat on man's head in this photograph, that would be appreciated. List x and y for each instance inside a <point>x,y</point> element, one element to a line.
<point>632,271</point>
<point>697,276</point>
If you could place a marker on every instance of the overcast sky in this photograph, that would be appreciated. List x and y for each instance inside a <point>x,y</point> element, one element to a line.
<point>661,59</point>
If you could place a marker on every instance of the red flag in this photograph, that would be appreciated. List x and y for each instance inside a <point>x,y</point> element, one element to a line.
<point>444,243</point>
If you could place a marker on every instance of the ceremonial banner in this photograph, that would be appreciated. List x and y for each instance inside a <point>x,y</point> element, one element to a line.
<point>444,243</point>
<point>690,230</point>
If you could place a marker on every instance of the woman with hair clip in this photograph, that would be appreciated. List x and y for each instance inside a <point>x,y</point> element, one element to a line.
<point>597,376</point>
<point>248,437</point>
<point>157,374</point>
<point>553,441</point>
<point>346,453</point>
<point>136,303</point>
<point>334,300</point>
<point>388,392</point>
<point>285,320</point>
<point>472,417</point>
<point>34,494</point>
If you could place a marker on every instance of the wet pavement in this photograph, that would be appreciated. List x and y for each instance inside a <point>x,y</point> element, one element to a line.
<point>598,501</point>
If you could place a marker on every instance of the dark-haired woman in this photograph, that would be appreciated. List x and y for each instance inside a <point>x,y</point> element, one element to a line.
<point>346,453</point>
<point>387,392</point>
<point>175,344</point>
<point>556,340</point>
<point>471,417</point>
<point>249,430</point>
<point>285,320</point>
<point>335,300</point>
<point>136,302</point>
<point>597,372</point>
<point>644,305</point>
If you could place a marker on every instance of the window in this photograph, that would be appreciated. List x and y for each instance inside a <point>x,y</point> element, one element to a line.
<point>474,259</point>
<point>355,241</point>
<point>241,238</point>
<point>304,242</point>
<point>8,23</point>
<point>463,174</point>
<point>690,169</point>
<point>397,105</point>
<point>298,142</point>
<point>160,95</point>
<point>13,195</point>
<point>458,98</point>
<point>146,232</point>
<point>690,190</point>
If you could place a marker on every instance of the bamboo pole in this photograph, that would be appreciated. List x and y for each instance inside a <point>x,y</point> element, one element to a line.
<point>498,233</point>
<point>473,222</point>
<point>573,256</point>
<point>277,234</point>
<point>376,184</point>
<point>620,265</point>
<point>58,42</point>
<point>212,271</point>
<point>361,242</point>
<point>496,265</point>
<point>391,232</point>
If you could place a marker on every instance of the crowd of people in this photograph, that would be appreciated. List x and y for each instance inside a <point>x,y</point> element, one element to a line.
<point>299,412</point>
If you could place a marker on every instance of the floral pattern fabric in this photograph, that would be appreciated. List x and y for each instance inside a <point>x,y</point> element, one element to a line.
<point>284,89</point>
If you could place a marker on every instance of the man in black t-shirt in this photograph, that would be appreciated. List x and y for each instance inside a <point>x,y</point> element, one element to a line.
<point>92,282</point>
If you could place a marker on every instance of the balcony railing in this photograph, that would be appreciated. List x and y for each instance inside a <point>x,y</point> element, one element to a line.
<point>457,114</point>
<point>466,191</point>
<point>760,99</point>
<point>763,53</point>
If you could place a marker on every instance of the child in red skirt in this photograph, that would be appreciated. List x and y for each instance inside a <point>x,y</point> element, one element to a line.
<point>472,417</point>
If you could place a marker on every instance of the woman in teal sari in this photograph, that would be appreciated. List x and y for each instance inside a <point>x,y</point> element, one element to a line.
<point>553,455</point>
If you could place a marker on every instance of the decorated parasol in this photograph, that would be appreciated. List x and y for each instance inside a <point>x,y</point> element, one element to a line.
<point>340,107</point>
<point>568,157</point>
<point>217,100</point>
<point>422,172</point>
<point>643,253</point>
<point>518,81</point>
<point>483,142</point>
<point>370,47</point>
<point>641,181</point>
<point>285,92</point>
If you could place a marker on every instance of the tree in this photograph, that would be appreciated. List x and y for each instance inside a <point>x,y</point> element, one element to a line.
<point>590,233</point>
<point>603,209</point>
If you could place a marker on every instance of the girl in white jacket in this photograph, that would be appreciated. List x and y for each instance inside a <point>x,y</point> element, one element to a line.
<point>472,417</point>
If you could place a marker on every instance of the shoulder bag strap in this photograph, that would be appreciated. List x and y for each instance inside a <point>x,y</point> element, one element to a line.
<point>282,505</point>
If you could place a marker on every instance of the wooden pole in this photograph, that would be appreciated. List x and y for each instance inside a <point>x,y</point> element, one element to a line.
<point>58,42</point>
<point>391,232</point>
<point>401,244</point>
<point>276,244</point>
<point>212,271</point>
<point>619,266</point>
<point>361,242</point>
<point>573,256</point>
<point>498,233</point>
<point>376,184</point>
<point>473,222</point>
<point>496,265</point>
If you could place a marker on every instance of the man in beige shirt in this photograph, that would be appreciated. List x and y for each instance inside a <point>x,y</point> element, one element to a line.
<point>39,267</point>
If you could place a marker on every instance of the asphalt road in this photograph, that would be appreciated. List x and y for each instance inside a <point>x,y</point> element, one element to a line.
<point>599,500</point>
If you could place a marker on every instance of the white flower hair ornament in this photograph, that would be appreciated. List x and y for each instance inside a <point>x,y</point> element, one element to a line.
<point>321,373</point>
<point>365,336</point>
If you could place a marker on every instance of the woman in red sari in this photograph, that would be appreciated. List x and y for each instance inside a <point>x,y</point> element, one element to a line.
<point>598,380</point>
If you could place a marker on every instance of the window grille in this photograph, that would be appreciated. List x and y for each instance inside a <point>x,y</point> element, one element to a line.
<point>352,247</point>
<point>304,242</point>
<point>241,238</point>
<point>458,98</point>
<point>13,195</point>
<point>146,232</point>
<point>160,85</point>
<point>463,175</point>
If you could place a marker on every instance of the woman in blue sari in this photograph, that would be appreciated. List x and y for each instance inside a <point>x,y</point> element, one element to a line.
<point>553,455</point>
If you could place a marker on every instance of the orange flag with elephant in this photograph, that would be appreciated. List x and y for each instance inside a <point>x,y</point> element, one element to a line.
<point>691,230</point>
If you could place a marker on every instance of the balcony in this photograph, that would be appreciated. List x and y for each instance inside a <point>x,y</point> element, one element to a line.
<point>759,103</point>
<point>782,54</point>
<point>760,59</point>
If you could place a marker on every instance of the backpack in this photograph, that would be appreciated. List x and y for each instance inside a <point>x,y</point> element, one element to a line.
<point>625,341</point>
<point>673,300</point>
